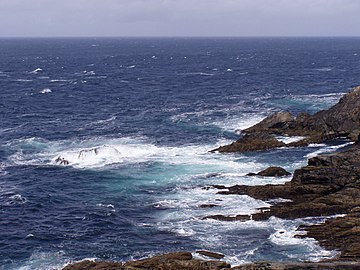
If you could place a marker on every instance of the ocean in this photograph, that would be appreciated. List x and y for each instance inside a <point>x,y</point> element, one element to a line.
<point>136,118</point>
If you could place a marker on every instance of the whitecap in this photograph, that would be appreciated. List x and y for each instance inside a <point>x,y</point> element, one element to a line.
<point>131,66</point>
<point>324,69</point>
<point>196,73</point>
<point>59,80</point>
<point>36,71</point>
<point>45,91</point>
<point>18,199</point>
<point>23,80</point>
<point>327,149</point>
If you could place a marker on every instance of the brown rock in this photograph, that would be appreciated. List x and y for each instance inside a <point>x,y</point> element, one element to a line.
<point>89,265</point>
<point>251,142</point>
<point>170,261</point>
<point>210,254</point>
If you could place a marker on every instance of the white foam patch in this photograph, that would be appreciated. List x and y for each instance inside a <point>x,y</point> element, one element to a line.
<point>324,99</point>
<point>286,233</point>
<point>100,152</point>
<point>327,149</point>
<point>45,261</point>
<point>290,139</point>
<point>237,123</point>
<point>197,73</point>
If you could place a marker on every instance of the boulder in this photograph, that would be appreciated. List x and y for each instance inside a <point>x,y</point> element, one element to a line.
<point>271,171</point>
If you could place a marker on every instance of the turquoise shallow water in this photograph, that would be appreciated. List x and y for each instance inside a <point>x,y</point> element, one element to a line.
<point>136,119</point>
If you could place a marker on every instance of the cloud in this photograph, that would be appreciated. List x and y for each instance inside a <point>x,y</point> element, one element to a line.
<point>178,17</point>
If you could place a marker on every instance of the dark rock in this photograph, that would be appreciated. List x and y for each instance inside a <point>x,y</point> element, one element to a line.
<point>170,261</point>
<point>328,185</point>
<point>210,254</point>
<point>251,142</point>
<point>331,265</point>
<point>342,233</point>
<point>279,120</point>
<point>175,261</point>
<point>341,120</point>
<point>89,265</point>
<point>228,218</point>
<point>208,205</point>
<point>271,171</point>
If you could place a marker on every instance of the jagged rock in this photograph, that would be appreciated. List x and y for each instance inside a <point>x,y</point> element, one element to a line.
<point>252,142</point>
<point>210,254</point>
<point>333,265</point>
<point>328,185</point>
<point>271,171</point>
<point>175,261</point>
<point>342,233</point>
<point>279,120</point>
<point>170,261</point>
<point>341,120</point>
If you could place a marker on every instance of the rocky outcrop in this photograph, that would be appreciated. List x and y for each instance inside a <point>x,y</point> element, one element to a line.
<point>170,261</point>
<point>252,142</point>
<point>335,265</point>
<point>271,172</point>
<point>341,120</point>
<point>328,185</point>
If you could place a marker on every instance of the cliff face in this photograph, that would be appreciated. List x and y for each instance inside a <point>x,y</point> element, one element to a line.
<point>341,120</point>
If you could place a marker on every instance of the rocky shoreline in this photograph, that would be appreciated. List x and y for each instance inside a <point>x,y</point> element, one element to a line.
<point>329,185</point>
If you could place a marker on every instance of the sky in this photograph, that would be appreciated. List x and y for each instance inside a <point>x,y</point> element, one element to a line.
<point>53,18</point>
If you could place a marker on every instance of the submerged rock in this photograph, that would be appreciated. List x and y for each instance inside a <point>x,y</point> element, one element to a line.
<point>341,120</point>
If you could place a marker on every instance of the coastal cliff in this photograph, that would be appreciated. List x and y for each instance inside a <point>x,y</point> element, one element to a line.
<point>328,186</point>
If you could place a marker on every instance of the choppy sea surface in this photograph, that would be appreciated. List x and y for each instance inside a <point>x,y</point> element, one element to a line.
<point>136,118</point>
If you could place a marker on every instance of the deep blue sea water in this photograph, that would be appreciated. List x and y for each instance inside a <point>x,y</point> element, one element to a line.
<point>152,108</point>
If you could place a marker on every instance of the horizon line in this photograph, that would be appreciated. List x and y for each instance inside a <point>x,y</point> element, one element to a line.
<point>179,36</point>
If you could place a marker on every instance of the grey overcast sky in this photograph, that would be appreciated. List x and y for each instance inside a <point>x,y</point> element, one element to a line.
<point>179,18</point>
